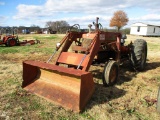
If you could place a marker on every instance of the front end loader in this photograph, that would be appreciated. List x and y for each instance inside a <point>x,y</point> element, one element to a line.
<point>67,82</point>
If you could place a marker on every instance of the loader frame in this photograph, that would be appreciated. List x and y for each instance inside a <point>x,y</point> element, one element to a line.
<point>82,57</point>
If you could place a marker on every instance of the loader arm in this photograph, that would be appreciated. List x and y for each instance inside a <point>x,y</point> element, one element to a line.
<point>86,53</point>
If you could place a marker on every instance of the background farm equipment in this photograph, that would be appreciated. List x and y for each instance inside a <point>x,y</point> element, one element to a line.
<point>11,40</point>
<point>67,81</point>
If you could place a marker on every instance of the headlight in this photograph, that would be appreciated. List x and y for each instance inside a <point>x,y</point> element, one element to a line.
<point>57,45</point>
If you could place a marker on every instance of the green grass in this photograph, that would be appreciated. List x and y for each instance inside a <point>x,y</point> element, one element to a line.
<point>38,36</point>
<point>153,46</point>
<point>46,37</point>
<point>47,45</point>
<point>87,116</point>
<point>5,50</point>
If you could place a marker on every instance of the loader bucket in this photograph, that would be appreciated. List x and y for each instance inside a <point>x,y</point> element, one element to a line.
<point>69,88</point>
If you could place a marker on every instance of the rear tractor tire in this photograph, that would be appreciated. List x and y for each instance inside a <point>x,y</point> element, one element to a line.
<point>110,73</point>
<point>139,54</point>
<point>11,42</point>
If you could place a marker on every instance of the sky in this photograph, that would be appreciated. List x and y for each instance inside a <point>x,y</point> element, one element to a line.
<point>82,12</point>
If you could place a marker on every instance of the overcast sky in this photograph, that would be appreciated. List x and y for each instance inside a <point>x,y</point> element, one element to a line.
<point>83,12</point>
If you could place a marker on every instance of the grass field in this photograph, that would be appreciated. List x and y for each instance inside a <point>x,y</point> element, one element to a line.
<point>132,98</point>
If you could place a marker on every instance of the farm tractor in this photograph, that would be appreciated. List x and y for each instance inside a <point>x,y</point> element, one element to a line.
<point>12,40</point>
<point>67,81</point>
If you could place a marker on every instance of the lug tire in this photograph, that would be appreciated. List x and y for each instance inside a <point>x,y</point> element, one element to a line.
<point>11,42</point>
<point>110,73</point>
<point>139,54</point>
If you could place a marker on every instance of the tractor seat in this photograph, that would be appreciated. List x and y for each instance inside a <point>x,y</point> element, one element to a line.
<point>84,46</point>
<point>86,41</point>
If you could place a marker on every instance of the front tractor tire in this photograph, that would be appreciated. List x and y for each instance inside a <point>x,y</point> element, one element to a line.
<point>110,73</point>
<point>139,54</point>
<point>11,42</point>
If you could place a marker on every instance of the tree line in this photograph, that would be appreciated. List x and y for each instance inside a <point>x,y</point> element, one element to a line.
<point>118,21</point>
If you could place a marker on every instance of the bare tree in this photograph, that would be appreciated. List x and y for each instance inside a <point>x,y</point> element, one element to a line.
<point>119,19</point>
<point>49,24</point>
<point>59,26</point>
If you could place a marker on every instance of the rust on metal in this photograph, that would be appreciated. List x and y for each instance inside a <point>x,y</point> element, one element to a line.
<point>28,42</point>
<point>70,58</point>
<point>69,88</point>
<point>79,48</point>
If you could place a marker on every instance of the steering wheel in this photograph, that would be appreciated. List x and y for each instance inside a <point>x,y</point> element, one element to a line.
<point>77,26</point>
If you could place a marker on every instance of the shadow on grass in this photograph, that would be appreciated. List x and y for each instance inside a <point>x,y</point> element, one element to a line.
<point>127,73</point>
<point>105,94</point>
<point>151,66</point>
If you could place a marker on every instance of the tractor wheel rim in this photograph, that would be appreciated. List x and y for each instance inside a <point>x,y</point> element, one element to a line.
<point>113,75</point>
<point>12,42</point>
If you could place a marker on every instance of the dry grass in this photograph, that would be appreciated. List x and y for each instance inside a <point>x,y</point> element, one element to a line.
<point>133,97</point>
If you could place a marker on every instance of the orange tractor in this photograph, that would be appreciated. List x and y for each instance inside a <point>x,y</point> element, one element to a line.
<point>67,82</point>
<point>13,40</point>
<point>9,40</point>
